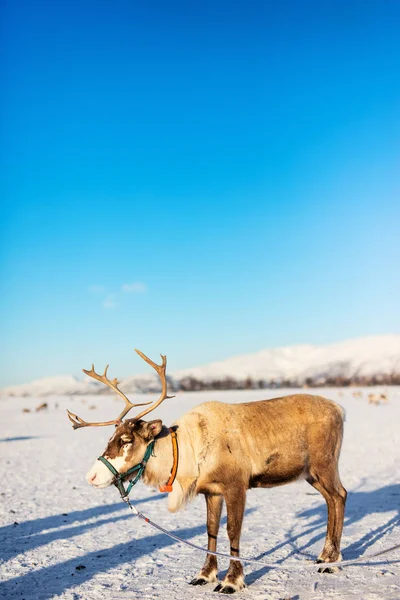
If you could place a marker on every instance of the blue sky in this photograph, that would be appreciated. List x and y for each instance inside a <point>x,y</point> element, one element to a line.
<point>198,179</point>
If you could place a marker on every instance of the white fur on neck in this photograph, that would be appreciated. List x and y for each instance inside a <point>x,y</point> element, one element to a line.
<point>159,468</point>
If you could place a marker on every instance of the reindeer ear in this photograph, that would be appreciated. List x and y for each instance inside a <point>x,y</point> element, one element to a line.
<point>151,429</point>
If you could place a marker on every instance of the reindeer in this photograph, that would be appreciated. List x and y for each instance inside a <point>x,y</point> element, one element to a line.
<point>374,399</point>
<point>224,450</point>
<point>377,399</point>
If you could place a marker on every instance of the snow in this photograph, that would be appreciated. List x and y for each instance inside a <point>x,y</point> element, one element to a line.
<point>69,385</point>
<point>60,538</point>
<point>61,384</point>
<point>361,357</point>
<point>364,356</point>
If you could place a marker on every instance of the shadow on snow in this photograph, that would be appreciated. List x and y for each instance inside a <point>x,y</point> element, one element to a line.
<point>22,537</point>
<point>358,505</point>
<point>55,579</point>
<point>19,438</point>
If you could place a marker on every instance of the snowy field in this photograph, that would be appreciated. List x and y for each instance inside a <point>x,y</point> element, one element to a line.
<point>60,538</point>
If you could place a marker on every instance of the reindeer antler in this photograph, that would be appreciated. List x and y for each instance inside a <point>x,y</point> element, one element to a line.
<point>161,373</point>
<point>77,422</point>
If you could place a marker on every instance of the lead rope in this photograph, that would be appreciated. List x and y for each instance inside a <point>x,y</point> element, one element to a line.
<point>344,563</point>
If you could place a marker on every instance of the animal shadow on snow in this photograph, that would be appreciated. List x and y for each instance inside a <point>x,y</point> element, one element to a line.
<point>19,438</point>
<point>50,581</point>
<point>28,535</point>
<point>359,504</point>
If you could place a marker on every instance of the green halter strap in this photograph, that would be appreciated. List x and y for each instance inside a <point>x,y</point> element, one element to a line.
<point>120,477</point>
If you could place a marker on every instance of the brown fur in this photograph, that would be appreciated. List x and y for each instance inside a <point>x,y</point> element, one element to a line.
<point>226,449</point>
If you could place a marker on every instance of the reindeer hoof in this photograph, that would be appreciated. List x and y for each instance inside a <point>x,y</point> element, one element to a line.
<point>198,581</point>
<point>326,569</point>
<point>228,589</point>
<point>225,589</point>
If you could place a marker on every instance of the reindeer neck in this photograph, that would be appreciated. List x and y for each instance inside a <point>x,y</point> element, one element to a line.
<point>158,468</point>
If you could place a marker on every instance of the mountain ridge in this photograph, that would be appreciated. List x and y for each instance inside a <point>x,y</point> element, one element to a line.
<point>366,360</point>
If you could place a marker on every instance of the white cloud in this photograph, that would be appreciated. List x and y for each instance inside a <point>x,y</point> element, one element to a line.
<point>134,288</point>
<point>110,301</point>
<point>113,299</point>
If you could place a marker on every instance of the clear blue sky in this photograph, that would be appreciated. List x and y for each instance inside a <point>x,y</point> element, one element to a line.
<point>199,179</point>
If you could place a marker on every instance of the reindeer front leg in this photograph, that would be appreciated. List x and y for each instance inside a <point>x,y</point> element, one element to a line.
<point>208,573</point>
<point>235,499</point>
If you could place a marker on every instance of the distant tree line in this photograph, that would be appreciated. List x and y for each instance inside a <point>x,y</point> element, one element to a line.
<point>192,384</point>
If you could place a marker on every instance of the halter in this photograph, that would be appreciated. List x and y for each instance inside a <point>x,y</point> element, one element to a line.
<point>120,477</point>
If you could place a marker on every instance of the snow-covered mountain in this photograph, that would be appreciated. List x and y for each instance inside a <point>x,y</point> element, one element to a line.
<point>67,385</point>
<point>58,385</point>
<point>362,360</point>
<point>365,357</point>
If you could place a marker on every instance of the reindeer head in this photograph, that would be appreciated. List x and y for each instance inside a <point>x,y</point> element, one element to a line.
<point>124,450</point>
<point>127,446</point>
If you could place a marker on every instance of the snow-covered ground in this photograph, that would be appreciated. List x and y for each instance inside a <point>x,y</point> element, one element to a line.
<point>60,538</point>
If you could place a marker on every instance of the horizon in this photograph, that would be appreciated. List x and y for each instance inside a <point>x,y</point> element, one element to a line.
<point>193,368</point>
<point>198,181</point>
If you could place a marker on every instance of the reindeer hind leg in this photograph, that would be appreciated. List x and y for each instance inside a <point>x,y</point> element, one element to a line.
<point>328,483</point>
